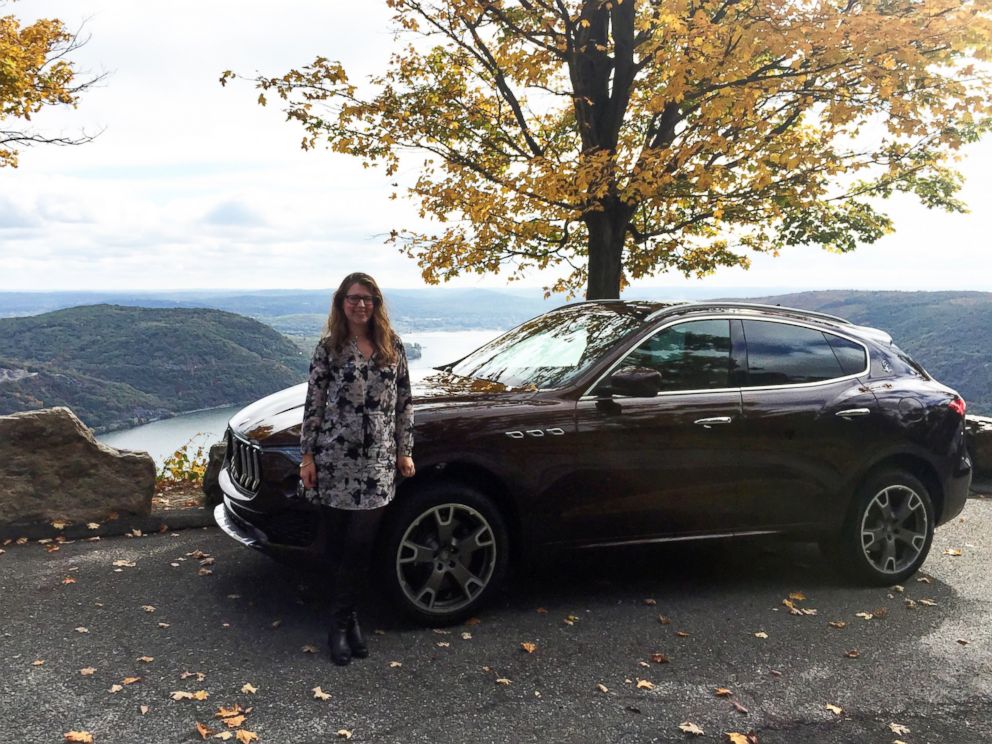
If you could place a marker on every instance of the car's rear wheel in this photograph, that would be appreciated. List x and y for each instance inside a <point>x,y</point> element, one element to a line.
<point>445,551</point>
<point>887,536</point>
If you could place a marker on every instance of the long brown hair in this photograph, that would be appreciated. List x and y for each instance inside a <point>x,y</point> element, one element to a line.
<point>335,334</point>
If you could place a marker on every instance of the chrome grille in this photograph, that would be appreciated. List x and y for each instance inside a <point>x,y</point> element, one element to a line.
<point>242,463</point>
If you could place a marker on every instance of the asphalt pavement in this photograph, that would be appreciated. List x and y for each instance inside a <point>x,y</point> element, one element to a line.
<point>624,646</point>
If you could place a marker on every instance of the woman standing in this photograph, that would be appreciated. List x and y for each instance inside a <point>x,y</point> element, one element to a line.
<point>357,432</point>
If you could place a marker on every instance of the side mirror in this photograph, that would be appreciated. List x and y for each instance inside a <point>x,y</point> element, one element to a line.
<point>636,382</point>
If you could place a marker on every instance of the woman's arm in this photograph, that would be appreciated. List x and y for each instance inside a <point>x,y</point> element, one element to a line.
<point>404,415</point>
<point>313,409</point>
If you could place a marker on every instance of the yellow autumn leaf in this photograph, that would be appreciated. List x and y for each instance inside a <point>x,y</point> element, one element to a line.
<point>643,684</point>
<point>248,688</point>
<point>528,647</point>
<point>690,728</point>
<point>79,737</point>
<point>146,659</point>
<point>320,694</point>
<point>722,692</point>
<point>835,709</point>
<point>202,730</point>
<point>130,680</point>
<point>601,687</point>
<point>87,671</point>
<point>246,737</point>
<point>955,552</point>
<point>344,734</point>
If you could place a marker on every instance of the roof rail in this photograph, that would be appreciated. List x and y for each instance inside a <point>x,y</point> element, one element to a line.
<point>751,306</point>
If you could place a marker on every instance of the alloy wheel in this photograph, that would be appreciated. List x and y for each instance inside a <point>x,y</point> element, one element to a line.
<point>894,529</point>
<point>446,558</point>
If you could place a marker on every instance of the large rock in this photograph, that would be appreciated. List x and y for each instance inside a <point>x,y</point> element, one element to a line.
<point>52,467</point>
<point>979,435</point>
<point>212,495</point>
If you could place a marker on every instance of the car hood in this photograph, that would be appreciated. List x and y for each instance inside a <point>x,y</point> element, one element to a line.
<point>275,420</point>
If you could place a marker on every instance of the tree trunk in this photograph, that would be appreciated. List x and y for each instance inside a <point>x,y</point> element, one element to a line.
<point>606,234</point>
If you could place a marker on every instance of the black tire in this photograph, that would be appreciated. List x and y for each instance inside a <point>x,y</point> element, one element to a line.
<point>444,550</point>
<point>887,535</point>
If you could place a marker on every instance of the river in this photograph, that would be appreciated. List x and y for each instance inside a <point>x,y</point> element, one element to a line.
<point>161,438</point>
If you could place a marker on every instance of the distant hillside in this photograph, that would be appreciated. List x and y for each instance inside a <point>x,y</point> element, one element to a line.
<point>949,333</point>
<point>116,366</point>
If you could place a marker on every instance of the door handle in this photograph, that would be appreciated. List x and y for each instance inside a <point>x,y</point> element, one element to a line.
<point>852,413</point>
<point>708,422</point>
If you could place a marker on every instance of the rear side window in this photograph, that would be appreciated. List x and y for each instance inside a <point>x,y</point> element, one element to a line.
<point>783,354</point>
<point>694,355</point>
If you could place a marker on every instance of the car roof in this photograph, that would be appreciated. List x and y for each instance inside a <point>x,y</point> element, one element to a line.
<point>649,310</point>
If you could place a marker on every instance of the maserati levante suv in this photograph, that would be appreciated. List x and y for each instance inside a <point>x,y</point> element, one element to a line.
<point>609,423</point>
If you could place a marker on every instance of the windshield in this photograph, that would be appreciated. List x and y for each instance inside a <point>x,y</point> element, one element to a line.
<point>551,350</point>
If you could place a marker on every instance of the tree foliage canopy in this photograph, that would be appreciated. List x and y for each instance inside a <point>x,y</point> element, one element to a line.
<point>34,73</point>
<point>616,139</point>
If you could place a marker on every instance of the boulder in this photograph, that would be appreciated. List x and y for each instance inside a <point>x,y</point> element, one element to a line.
<point>979,435</point>
<point>52,467</point>
<point>215,463</point>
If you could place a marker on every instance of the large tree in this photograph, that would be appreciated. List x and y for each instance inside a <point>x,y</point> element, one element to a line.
<point>618,139</point>
<point>35,73</point>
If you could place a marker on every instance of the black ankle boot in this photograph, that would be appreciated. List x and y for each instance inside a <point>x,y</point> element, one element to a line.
<point>356,641</point>
<point>337,641</point>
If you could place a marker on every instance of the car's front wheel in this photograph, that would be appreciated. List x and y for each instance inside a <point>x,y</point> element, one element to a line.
<point>445,550</point>
<point>887,536</point>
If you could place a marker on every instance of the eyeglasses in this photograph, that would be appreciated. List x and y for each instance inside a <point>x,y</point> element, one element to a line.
<point>356,299</point>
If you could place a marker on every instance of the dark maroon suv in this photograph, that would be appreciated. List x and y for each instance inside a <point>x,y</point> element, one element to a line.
<point>614,423</point>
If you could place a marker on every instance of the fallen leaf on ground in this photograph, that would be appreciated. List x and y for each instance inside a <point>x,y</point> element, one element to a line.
<point>143,709</point>
<point>681,634</point>
<point>37,662</point>
<point>146,659</point>
<point>68,580</point>
<point>223,735</point>
<point>852,654</point>
<point>962,641</point>
<point>864,615</point>
<point>130,680</point>
<point>528,647</point>
<point>879,613</point>
<point>503,681</point>
<point>248,688</point>
<point>650,602</point>
<point>898,728</point>
<point>208,562</point>
<point>320,694</point>
<point>835,709</point>
<point>344,734</point>
<point>722,692</point>
<point>163,625</point>
<point>234,710</point>
<point>739,708</point>
<point>737,738</point>
<point>59,524</point>
<point>643,684</point>
<point>234,721</point>
<point>601,687</point>
<point>925,580</point>
<point>898,589</point>
<point>659,658</point>
<point>87,671</point>
<point>310,649</point>
<point>81,629</point>
<point>135,532</point>
<point>203,730</point>
<point>927,602</point>
<point>571,620</point>
<point>395,664</point>
<point>246,737</point>
<point>664,620</point>
<point>761,634</point>
<point>446,644</point>
<point>775,672</point>
<point>182,695</point>
<point>798,596</point>
<point>115,688</point>
<point>839,624</point>
<point>466,636</point>
<point>200,676</point>
<point>92,525</point>
<point>952,552</point>
<point>83,737</point>
<point>690,728</point>
<point>207,572</point>
<point>125,564</point>
<point>148,608</point>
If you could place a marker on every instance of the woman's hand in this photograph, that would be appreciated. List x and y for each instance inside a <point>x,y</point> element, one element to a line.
<point>308,473</point>
<point>404,463</point>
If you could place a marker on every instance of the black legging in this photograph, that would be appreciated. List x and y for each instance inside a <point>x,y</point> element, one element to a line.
<point>350,535</point>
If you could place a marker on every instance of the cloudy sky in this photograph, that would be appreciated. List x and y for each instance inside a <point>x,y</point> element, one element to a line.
<point>191,185</point>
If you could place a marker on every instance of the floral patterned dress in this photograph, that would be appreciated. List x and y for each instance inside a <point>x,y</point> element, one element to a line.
<point>358,417</point>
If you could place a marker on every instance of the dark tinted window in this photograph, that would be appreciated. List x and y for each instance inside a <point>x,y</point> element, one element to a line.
<point>690,356</point>
<point>850,355</point>
<point>780,354</point>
